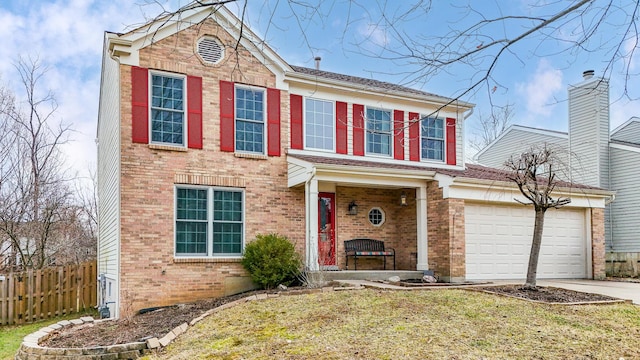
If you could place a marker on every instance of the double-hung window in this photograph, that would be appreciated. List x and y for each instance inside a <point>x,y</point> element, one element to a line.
<point>167,110</point>
<point>209,221</point>
<point>319,124</point>
<point>378,131</point>
<point>250,118</point>
<point>432,138</point>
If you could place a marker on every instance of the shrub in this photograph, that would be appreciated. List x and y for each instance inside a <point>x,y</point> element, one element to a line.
<point>271,260</point>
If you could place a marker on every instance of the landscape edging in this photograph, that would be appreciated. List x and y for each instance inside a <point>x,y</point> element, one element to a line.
<point>30,348</point>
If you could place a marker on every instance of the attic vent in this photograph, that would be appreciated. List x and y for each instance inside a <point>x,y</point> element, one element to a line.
<point>210,50</point>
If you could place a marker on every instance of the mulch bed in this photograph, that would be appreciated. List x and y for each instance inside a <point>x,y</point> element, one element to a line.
<point>547,294</point>
<point>159,322</point>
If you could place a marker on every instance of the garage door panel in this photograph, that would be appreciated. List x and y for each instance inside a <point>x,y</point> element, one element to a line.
<point>498,239</point>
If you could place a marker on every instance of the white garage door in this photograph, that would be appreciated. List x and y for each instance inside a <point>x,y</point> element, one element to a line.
<point>498,242</point>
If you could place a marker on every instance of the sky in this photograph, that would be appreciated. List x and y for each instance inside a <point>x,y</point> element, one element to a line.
<point>67,38</point>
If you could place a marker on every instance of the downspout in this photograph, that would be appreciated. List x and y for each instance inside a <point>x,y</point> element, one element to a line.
<point>465,116</point>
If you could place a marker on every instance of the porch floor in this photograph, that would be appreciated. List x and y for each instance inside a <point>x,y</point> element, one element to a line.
<point>371,274</point>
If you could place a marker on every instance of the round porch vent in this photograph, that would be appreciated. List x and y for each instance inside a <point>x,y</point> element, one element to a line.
<point>210,50</point>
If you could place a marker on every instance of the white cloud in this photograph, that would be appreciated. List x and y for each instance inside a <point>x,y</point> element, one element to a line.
<point>539,92</point>
<point>374,34</point>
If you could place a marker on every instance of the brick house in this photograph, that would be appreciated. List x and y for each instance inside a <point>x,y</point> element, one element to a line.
<point>207,138</point>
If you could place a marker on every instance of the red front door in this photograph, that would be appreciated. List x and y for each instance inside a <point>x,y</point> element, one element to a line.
<point>326,229</point>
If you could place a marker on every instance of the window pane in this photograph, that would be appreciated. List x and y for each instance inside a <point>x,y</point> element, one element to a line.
<point>319,124</point>
<point>191,237</point>
<point>432,136</point>
<point>227,238</point>
<point>249,120</point>
<point>227,206</point>
<point>378,131</point>
<point>167,110</point>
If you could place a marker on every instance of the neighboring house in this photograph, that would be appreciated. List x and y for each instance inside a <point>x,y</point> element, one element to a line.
<point>207,138</point>
<point>594,157</point>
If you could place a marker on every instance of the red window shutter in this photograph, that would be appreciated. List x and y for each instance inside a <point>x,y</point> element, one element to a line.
<point>227,121</point>
<point>358,130</point>
<point>398,134</point>
<point>194,111</point>
<point>139,105</point>
<point>451,141</point>
<point>414,136</point>
<point>341,127</point>
<point>273,122</point>
<point>296,121</point>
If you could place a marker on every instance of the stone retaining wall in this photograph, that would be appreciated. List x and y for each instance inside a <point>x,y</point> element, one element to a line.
<point>31,350</point>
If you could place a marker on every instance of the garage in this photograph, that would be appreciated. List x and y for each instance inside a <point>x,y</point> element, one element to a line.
<point>498,241</point>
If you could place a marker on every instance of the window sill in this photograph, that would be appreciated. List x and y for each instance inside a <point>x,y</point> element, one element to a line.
<point>186,260</point>
<point>251,156</point>
<point>167,147</point>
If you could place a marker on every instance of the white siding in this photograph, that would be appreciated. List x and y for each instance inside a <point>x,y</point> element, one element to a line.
<point>625,210</point>
<point>629,133</point>
<point>109,175</point>
<point>515,142</point>
<point>589,132</point>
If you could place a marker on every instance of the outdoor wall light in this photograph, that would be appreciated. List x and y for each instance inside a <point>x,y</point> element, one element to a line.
<point>353,208</point>
<point>403,199</point>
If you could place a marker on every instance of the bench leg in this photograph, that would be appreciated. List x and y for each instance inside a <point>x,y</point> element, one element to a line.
<point>385,262</point>
<point>394,262</point>
<point>355,262</point>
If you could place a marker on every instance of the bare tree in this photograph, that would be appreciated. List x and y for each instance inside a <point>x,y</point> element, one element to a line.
<point>534,172</point>
<point>491,126</point>
<point>34,191</point>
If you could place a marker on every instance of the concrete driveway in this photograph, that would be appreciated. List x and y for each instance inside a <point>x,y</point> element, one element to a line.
<point>622,290</point>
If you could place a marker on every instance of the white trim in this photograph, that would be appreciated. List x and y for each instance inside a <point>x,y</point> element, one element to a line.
<point>624,147</point>
<point>545,132</point>
<point>185,112</point>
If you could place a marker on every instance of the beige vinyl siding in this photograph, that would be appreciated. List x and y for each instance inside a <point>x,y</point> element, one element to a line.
<point>109,169</point>
<point>625,210</point>
<point>517,141</point>
<point>589,133</point>
<point>629,133</point>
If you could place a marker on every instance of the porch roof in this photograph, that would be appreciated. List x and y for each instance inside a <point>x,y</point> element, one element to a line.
<point>471,174</point>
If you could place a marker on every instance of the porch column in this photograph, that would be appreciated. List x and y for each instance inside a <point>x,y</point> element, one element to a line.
<point>421,219</point>
<point>311,200</point>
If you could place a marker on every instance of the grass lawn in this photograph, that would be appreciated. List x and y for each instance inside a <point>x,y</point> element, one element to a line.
<point>374,324</point>
<point>11,336</point>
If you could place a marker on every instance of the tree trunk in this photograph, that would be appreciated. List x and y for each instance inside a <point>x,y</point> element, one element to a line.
<point>532,270</point>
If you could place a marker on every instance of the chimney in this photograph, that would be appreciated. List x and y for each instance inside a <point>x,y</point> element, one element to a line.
<point>317,59</point>
<point>588,74</point>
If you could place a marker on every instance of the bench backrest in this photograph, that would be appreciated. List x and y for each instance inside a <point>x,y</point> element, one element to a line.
<point>363,245</point>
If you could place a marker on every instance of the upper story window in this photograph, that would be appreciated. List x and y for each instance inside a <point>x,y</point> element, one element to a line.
<point>250,130</point>
<point>319,124</point>
<point>378,131</point>
<point>209,221</point>
<point>432,139</point>
<point>167,110</point>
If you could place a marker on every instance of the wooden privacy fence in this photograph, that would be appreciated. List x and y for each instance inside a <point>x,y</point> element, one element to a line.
<point>40,294</point>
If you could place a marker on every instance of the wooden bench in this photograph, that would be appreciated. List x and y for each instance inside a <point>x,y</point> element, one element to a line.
<point>367,247</point>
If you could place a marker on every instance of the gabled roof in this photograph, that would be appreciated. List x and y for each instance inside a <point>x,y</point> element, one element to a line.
<point>630,125</point>
<point>511,128</point>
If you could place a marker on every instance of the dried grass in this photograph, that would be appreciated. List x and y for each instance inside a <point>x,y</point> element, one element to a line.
<point>448,324</point>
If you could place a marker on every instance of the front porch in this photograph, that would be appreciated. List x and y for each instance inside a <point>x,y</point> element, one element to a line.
<point>372,275</point>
